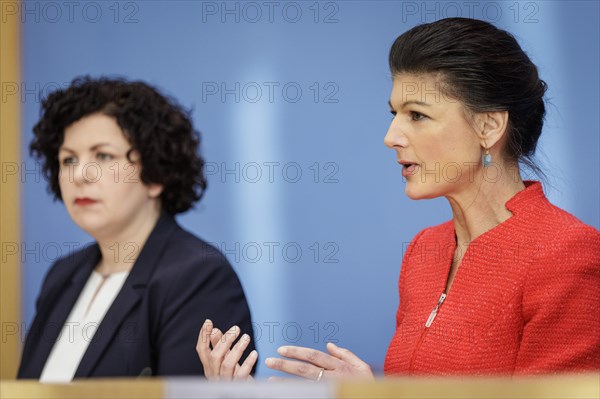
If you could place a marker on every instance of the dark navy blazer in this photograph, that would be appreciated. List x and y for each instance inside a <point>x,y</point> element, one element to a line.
<point>176,283</point>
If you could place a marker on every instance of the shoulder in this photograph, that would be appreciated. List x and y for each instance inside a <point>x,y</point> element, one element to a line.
<point>564,259</point>
<point>436,232</point>
<point>192,274</point>
<point>432,240</point>
<point>560,236</point>
<point>69,264</point>
<point>65,269</point>
<point>437,235</point>
<point>183,243</point>
<point>538,220</point>
<point>189,258</point>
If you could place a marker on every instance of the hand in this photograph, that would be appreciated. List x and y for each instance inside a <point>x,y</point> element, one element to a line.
<point>317,366</point>
<point>222,362</point>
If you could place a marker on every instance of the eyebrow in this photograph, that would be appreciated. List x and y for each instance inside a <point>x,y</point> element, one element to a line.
<point>93,148</point>
<point>410,102</point>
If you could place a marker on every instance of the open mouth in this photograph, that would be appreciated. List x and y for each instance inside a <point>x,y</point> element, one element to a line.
<point>408,168</point>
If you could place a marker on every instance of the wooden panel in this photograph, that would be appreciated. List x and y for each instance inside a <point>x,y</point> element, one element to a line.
<point>96,388</point>
<point>10,136</point>
<point>564,386</point>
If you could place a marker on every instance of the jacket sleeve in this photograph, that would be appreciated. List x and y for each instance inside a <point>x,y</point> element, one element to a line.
<point>204,286</point>
<point>561,330</point>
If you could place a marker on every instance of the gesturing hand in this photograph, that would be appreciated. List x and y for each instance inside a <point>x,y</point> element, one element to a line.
<point>316,365</point>
<point>222,361</point>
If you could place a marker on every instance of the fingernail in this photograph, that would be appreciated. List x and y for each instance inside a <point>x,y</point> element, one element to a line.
<point>246,337</point>
<point>269,361</point>
<point>254,353</point>
<point>281,350</point>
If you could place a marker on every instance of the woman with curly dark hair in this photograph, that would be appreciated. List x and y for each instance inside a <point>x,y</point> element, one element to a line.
<point>124,160</point>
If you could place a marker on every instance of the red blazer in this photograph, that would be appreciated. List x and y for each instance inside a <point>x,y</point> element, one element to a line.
<point>525,299</point>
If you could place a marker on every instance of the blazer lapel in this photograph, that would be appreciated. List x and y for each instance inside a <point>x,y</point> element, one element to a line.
<point>129,296</point>
<point>58,303</point>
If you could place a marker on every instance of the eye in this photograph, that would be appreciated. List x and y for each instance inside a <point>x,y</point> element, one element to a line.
<point>69,161</point>
<point>102,156</point>
<point>416,116</point>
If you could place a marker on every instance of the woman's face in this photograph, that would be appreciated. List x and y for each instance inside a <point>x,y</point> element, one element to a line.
<point>439,151</point>
<point>100,187</point>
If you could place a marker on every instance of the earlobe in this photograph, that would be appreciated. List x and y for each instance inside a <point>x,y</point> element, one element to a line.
<point>155,190</point>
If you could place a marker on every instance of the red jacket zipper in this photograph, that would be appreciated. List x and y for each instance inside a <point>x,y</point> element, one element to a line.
<point>424,333</point>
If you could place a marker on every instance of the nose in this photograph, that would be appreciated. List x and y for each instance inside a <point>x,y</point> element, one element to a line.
<point>84,172</point>
<point>394,136</point>
<point>74,173</point>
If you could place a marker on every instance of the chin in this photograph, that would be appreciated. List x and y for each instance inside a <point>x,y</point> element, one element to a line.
<point>418,191</point>
<point>91,224</point>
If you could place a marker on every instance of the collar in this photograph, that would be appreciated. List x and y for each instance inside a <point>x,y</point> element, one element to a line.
<point>532,193</point>
<point>148,257</point>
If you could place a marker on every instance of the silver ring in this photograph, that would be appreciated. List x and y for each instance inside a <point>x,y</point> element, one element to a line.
<point>320,375</point>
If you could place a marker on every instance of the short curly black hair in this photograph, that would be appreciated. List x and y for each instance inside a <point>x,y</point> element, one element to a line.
<point>157,127</point>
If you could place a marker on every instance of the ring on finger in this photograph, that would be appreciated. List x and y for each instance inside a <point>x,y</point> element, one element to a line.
<point>320,376</point>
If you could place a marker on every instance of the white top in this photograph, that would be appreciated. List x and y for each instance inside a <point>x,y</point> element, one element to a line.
<point>81,325</point>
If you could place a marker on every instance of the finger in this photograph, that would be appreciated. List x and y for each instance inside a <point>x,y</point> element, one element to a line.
<point>243,371</point>
<point>344,355</point>
<point>215,337</point>
<point>247,378</point>
<point>301,369</point>
<point>232,357</point>
<point>203,341</point>
<point>224,344</point>
<point>312,356</point>
<point>238,349</point>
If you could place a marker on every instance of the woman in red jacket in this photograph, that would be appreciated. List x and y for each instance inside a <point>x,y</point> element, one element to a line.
<point>510,285</point>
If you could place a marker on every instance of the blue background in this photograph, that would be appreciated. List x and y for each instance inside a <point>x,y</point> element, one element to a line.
<point>349,200</point>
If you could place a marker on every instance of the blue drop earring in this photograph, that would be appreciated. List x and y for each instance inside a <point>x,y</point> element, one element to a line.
<point>486,158</point>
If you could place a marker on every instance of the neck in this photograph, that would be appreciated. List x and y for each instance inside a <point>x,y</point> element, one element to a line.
<point>121,249</point>
<point>482,205</point>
